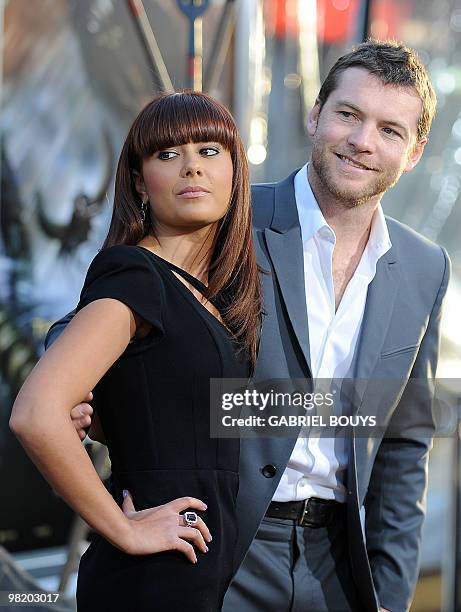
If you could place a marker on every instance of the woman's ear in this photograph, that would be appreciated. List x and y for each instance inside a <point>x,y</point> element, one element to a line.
<point>139,183</point>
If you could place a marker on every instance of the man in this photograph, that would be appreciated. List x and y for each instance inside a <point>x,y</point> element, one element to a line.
<point>350,293</point>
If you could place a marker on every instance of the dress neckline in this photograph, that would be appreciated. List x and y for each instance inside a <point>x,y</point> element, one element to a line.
<point>195,282</point>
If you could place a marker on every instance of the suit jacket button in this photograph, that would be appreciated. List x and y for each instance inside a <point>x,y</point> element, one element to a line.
<point>269,470</point>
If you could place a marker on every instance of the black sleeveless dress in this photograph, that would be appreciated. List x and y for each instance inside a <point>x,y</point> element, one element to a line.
<point>153,404</point>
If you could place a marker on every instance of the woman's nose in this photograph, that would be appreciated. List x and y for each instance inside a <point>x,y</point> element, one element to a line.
<point>191,169</point>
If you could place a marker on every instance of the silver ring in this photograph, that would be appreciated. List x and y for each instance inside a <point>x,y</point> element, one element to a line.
<point>190,518</point>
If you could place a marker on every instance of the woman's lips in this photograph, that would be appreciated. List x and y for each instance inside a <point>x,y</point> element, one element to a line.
<point>193,194</point>
<point>193,191</point>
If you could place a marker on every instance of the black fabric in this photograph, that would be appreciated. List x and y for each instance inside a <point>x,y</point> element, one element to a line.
<point>313,512</point>
<point>153,404</point>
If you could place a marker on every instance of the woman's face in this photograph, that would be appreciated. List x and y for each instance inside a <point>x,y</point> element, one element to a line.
<point>189,186</point>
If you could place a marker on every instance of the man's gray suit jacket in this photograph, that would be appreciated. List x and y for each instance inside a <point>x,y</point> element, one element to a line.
<point>399,339</point>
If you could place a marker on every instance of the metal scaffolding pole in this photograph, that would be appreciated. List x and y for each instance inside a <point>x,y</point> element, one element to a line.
<point>149,43</point>
<point>220,48</point>
<point>243,101</point>
<point>193,11</point>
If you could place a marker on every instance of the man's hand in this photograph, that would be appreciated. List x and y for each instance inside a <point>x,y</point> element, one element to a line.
<point>81,415</point>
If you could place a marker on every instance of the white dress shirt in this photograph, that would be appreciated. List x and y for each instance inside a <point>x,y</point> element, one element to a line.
<point>317,466</point>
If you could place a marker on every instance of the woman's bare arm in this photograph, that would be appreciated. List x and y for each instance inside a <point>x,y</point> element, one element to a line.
<point>90,344</point>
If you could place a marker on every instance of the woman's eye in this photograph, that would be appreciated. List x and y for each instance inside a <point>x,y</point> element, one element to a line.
<point>209,151</point>
<point>167,154</point>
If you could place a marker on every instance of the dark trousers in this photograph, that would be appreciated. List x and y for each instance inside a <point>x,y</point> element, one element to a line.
<point>290,568</point>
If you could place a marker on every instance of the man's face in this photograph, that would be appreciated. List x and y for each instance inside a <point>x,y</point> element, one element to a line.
<point>364,137</point>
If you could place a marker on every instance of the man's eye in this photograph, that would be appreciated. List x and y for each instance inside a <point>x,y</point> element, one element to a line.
<point>346,114</point>
<point>167,154</point>
<point>209,151</point>
<point>390,131</point>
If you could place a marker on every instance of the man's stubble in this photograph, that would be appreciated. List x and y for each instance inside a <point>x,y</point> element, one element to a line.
<point>353,196</point>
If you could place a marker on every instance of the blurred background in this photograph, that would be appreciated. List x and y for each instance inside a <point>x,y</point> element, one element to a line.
<point>73,75</point>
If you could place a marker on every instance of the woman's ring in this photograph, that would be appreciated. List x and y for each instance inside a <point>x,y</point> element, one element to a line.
<point>190,518</point>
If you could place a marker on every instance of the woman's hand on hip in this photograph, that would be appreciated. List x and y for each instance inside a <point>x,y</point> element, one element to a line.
<point>164,528</point>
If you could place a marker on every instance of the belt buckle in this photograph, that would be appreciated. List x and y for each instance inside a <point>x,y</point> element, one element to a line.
<point>304,519</point>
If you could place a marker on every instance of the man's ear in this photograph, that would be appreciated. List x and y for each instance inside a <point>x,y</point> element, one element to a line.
<point>139,183</point>
<point>415,155</point>
<point>313,117</point>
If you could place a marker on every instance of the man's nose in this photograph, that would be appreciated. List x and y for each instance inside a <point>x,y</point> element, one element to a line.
<point>362,138</point>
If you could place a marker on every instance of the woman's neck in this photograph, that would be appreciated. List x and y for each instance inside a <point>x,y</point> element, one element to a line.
<point>191,252</point>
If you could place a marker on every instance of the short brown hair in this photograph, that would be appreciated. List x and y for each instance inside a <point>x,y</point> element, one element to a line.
<point>393,64</point>
<point>176,119</point>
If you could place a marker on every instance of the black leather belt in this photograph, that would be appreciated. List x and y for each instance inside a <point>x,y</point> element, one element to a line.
<point>313,512</point>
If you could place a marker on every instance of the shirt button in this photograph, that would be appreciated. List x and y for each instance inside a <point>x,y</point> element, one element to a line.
<point>303,482</point>
<point>269,471</point>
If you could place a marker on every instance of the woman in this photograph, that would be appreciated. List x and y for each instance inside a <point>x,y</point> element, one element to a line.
<point>170,301</point>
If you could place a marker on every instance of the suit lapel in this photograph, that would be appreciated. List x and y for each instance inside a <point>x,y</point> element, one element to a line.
<point>284,245</point>
<point>379,308</point>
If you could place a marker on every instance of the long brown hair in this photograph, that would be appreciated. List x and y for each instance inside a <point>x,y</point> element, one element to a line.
<point>176,119</point>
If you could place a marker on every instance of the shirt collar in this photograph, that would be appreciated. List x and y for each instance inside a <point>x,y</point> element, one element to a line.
<point>310,216</point>
<point>313,222</point>
<point>379,240</point>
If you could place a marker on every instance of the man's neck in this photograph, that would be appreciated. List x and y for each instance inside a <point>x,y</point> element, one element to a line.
<point>351,224</point>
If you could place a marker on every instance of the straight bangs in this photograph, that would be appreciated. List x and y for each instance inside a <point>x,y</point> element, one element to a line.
<point>180,118</point>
